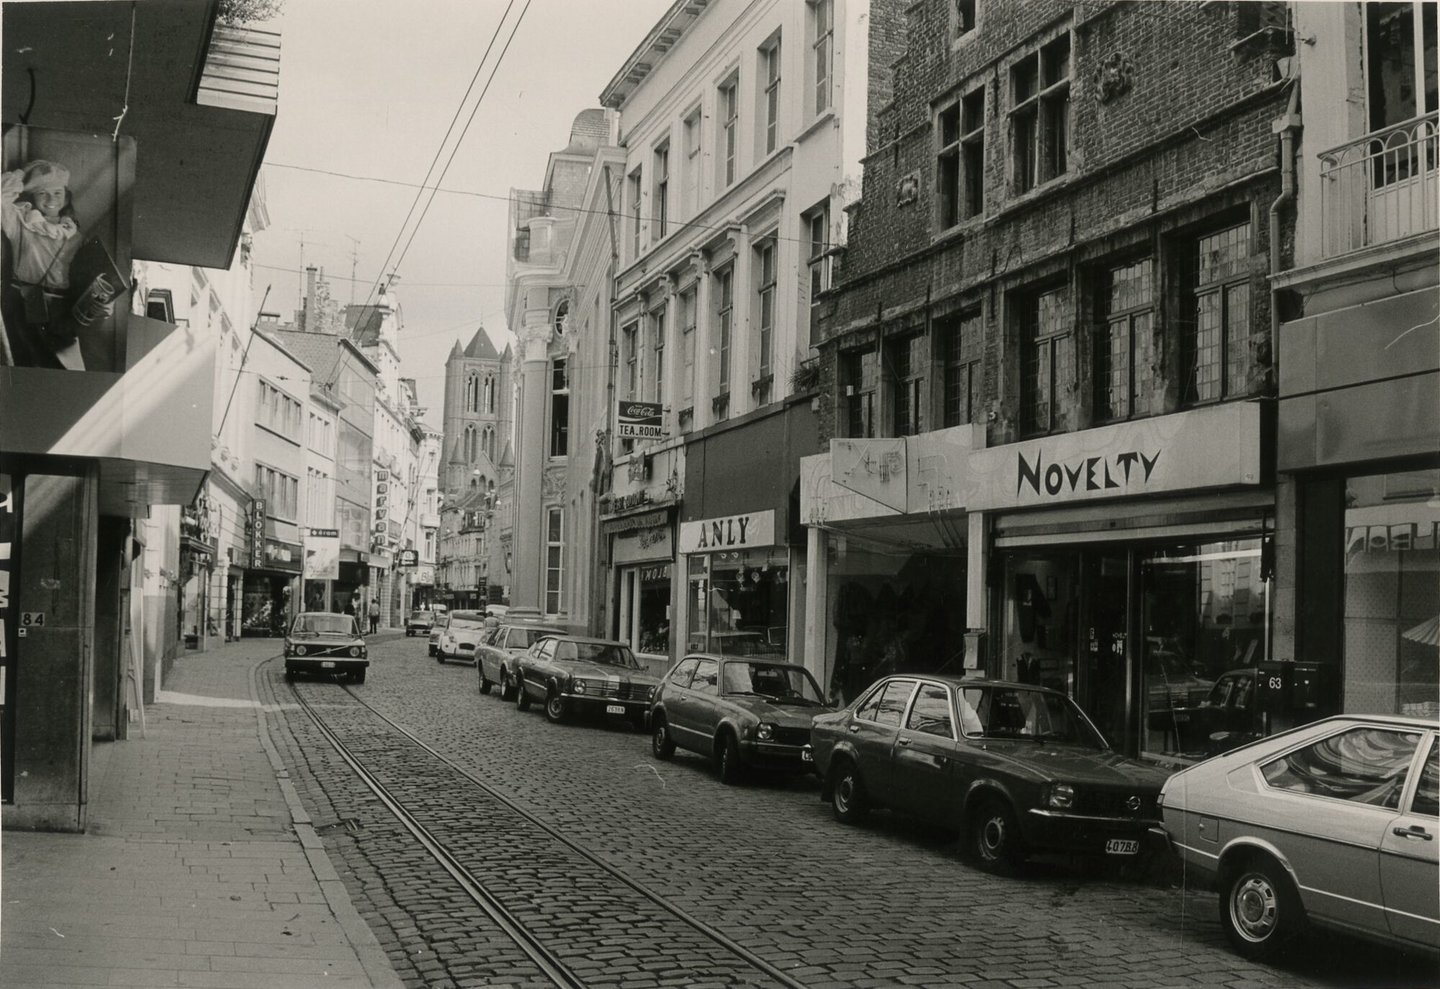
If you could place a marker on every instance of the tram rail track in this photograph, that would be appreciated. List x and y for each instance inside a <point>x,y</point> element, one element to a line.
<point>537,946</point>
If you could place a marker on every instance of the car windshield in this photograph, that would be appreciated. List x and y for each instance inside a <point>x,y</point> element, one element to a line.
<point>325,625</point>
<point>467,619</point>
<point>777,682</point>
<point>420,616</point>
<point>524,638</point>
<point>603,653</point>
<point>1018,712</point>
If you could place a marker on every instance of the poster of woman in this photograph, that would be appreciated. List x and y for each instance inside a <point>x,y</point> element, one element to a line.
<point>64,276</point>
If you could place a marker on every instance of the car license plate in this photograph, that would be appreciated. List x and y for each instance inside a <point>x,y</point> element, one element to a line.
<point>327,665</point>
<point>1122,846</point>
<point>806,755</point>
<point>614,708</point>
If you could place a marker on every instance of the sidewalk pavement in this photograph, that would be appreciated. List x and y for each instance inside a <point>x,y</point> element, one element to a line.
<point>200,867</point>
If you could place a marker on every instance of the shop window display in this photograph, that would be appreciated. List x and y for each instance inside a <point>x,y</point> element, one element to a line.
<point>739,602</point>
<point>1392,593</point>
<point>892,610</point>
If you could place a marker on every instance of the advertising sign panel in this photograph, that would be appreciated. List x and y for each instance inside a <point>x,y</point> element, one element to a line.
<point>65,202</point>
<point>409,558</point>
<point>322,554</point>
<point>255,533</point>
<point>640,420</point>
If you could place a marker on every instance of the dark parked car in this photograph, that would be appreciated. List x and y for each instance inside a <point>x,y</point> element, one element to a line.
<point>322,642</point>
<point>740,712</point>
<point>419,623</point>
<point>571,673</point>
<point>1227,717</point>
<point>496,654</point>
<point>1011,767</point>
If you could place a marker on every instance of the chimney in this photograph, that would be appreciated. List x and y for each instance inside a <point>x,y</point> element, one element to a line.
<point>310,314</point>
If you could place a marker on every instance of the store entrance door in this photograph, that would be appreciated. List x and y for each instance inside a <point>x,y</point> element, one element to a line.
<point>1105,637</point>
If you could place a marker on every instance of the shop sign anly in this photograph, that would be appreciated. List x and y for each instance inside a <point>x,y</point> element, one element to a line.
<point>728,532</point>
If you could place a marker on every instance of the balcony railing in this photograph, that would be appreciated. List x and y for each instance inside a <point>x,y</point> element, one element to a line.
<point>1381,187</point>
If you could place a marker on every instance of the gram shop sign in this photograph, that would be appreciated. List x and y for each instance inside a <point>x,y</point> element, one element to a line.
<point>728,532</point>
<point>640,420</point>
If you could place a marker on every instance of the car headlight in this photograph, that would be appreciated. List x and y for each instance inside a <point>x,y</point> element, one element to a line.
<point>765,732</point>
<point>652,693</point>
<point>355,650</point>
<point>299,650</point>
<point>578,686</point>
<point>1061,796</point>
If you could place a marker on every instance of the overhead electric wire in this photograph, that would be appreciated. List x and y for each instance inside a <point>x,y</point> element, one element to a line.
<point>440,148</point>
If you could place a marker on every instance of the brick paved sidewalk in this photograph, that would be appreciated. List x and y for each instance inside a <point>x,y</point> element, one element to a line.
<point>200,868</point>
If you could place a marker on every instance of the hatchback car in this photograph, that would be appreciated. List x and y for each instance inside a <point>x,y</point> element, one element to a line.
<point>419,623</point>
<point>1334,824</point>
<point>572,674</point>
<point>496,655</point>
<point>322,642</point>
<point>740,712</point>
<point>461,636</point>
<point>1013,768</point>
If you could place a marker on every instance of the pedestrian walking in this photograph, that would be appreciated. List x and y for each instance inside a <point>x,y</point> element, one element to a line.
<point>374,615</point>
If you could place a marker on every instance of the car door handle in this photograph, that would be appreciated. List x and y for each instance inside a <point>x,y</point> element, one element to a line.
<point>854,729</point>
<point>1413,831</point>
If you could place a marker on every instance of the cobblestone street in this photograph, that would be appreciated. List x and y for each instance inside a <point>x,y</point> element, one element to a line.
<point>889,903</point>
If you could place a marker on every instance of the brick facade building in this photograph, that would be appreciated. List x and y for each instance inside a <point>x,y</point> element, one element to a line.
<point>1047,360</point>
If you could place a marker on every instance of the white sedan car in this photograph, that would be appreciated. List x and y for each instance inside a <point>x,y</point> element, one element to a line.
<point>1334,824</point>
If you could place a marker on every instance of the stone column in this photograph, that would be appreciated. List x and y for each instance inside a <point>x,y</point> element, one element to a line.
<point>704,327</point>
<point>669,286</point>
<point>742,348</point>
<point>531,448</point>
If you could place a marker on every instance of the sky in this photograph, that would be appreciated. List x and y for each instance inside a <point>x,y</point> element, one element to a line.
<point>368,88</point>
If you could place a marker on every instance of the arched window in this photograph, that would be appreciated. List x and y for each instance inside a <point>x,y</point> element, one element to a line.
<point>487,442</point>
<point>490,394</point>
<point>470,444</point>
<point>472,394</point>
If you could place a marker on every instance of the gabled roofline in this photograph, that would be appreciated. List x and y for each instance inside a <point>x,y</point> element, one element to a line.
<point>642,61</point>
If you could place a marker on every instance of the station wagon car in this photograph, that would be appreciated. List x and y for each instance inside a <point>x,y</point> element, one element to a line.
<point>1013,768</point>
<point>461,636</point>
<point>572,673</point>
<point>1334,824</point>
<point>740,712</point>
<point>496,655</point>
<point>326,643</point>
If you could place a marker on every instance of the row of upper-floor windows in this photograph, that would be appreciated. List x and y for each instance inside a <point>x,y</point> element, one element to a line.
<point>744,117</point>
<point>1094,343</point>
<point>278,412</point>
<point>1028,104</point>
<point>731,313</point>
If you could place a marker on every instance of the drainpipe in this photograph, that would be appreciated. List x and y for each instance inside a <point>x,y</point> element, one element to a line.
<point>1287,127</point>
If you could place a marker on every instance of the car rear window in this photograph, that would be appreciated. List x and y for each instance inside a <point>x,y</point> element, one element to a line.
<point>1365,765</point>
<point>467,618</point>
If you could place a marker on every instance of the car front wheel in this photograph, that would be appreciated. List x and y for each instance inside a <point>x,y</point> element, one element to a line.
<point>727,759</point>
<point>485,684</point>
<point>555,708</point>
<point>507,686</point>
<point>1259,909</point>
<point>660,741</point>
<point>522,699</point>
<point>995,836</point>
<point>847,793</point>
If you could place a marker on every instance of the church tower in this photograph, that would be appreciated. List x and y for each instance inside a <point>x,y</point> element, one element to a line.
<point>477,417</point>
